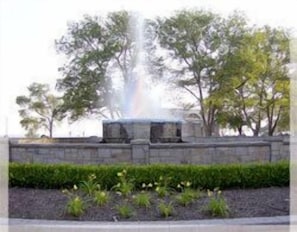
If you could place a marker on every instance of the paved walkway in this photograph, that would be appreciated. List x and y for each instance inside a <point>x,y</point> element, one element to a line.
<point>271,224</point>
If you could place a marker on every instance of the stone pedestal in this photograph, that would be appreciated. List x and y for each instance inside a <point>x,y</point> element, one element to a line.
<point>140,151</point>
<point>155,131</point>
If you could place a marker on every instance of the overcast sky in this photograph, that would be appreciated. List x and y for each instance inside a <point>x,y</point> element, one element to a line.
<point>28,29</point>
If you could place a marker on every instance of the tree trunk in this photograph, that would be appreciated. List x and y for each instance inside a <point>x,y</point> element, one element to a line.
<point>51,129</point>
<point>207,130</point>
<point>239,130</point>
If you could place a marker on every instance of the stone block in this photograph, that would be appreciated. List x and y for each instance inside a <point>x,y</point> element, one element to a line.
<point>164,153</point>
<point>141,131</point>
<point>59,153</point>
<point>44,151</point>
<point>242,150</point>
<point>104,152</point>
<point>39,159</point>
<point>84,154</point>
<point>154,153</point>
<point>154,160</point>
<point>125,156</point>
<point>18,151</point>
<point>21,158</point>
<point>224,150</point>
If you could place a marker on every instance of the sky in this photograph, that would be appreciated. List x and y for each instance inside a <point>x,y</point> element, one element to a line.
<point>28,29</point>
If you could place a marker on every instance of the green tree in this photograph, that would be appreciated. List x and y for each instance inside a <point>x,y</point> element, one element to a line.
<point>101,55</point>
<point>199,43</point>
<point>88,50</point>
<point>258,81</point>
<point>40,109</point>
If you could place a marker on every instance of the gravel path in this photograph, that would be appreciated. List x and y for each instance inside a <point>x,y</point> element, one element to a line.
<point>50,204</point>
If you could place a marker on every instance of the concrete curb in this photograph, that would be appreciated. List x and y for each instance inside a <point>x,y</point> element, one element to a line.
<point>278,220</point>
<point>279,223</point>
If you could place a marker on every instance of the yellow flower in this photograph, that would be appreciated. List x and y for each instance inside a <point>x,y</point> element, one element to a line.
<point>209,193</point>
<point>75,187</point>
<point>102,194</point>
<point>179,186</point>
<point>188,184</point>
<point>64,191</point>
<point>143,185</point>
<point>150,185</point>
<point>92,177</point>
<point>120,174</point>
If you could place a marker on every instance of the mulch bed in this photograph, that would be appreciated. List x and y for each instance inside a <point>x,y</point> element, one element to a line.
<point>50,204</point>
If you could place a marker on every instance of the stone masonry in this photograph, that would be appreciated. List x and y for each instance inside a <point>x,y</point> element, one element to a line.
<point>140,151</point>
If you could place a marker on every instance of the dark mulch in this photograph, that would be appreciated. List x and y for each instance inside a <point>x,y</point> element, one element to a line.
<point>50,204</point>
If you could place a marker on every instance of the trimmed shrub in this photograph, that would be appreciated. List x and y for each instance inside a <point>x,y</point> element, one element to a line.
<point>58,176</point>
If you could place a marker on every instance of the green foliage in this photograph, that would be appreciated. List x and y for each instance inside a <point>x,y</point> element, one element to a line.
<point>96,49</point>
<point>89,186</point>
<point>40,110</point>
<point>201,42</point>
<point>101,197</point>
<point>75,206</point>
<point>125,186</point>
<point>125,211</point>
<point>217,205</point>
<point>237,74</point>
<point>166,210</point>
<point>258,82</point>
<point>187,195</point>
<point>142,199</point>
<point>206,176</point>
<point>162,186</point>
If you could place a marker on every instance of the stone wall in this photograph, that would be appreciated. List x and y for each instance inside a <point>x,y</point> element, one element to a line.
<point>207,151</point>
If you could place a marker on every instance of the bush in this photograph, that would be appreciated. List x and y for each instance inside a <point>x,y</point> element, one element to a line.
<point>201,176</point>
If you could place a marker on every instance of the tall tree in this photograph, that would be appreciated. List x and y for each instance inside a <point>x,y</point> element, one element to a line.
<point>40,109</point>
<point>101,55</point>
<point>200,42</point>
<point>88,50</point>
<point>258,80</point>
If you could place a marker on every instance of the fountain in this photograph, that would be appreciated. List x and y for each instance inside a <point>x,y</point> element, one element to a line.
<point>143,117</point>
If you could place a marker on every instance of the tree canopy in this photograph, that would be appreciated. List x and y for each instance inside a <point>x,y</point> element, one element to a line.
<point>101,55</point>
<point>237,74</point>
<point>39,110</point>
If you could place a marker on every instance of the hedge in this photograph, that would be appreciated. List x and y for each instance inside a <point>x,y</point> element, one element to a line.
<point>58,176</point>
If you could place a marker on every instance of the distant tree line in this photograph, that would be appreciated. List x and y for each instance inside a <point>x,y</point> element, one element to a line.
<point>236,73</point>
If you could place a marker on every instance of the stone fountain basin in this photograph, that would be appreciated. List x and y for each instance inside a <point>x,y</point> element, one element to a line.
<point>154,130</point>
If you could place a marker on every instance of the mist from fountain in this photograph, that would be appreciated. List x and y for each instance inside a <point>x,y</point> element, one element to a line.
<point>140,99</point>
<point>143,117</point>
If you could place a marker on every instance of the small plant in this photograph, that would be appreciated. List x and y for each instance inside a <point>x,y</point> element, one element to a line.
<point>187,194</point>
<point>142,199</point>
<point>166,210</point>
<point>125,211</point>
<point>162,187</point>
<point>124,187</point>
<point>89,186</point>
<point>217,205</point>
<point>75,206</point>
<point>101,197</point>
